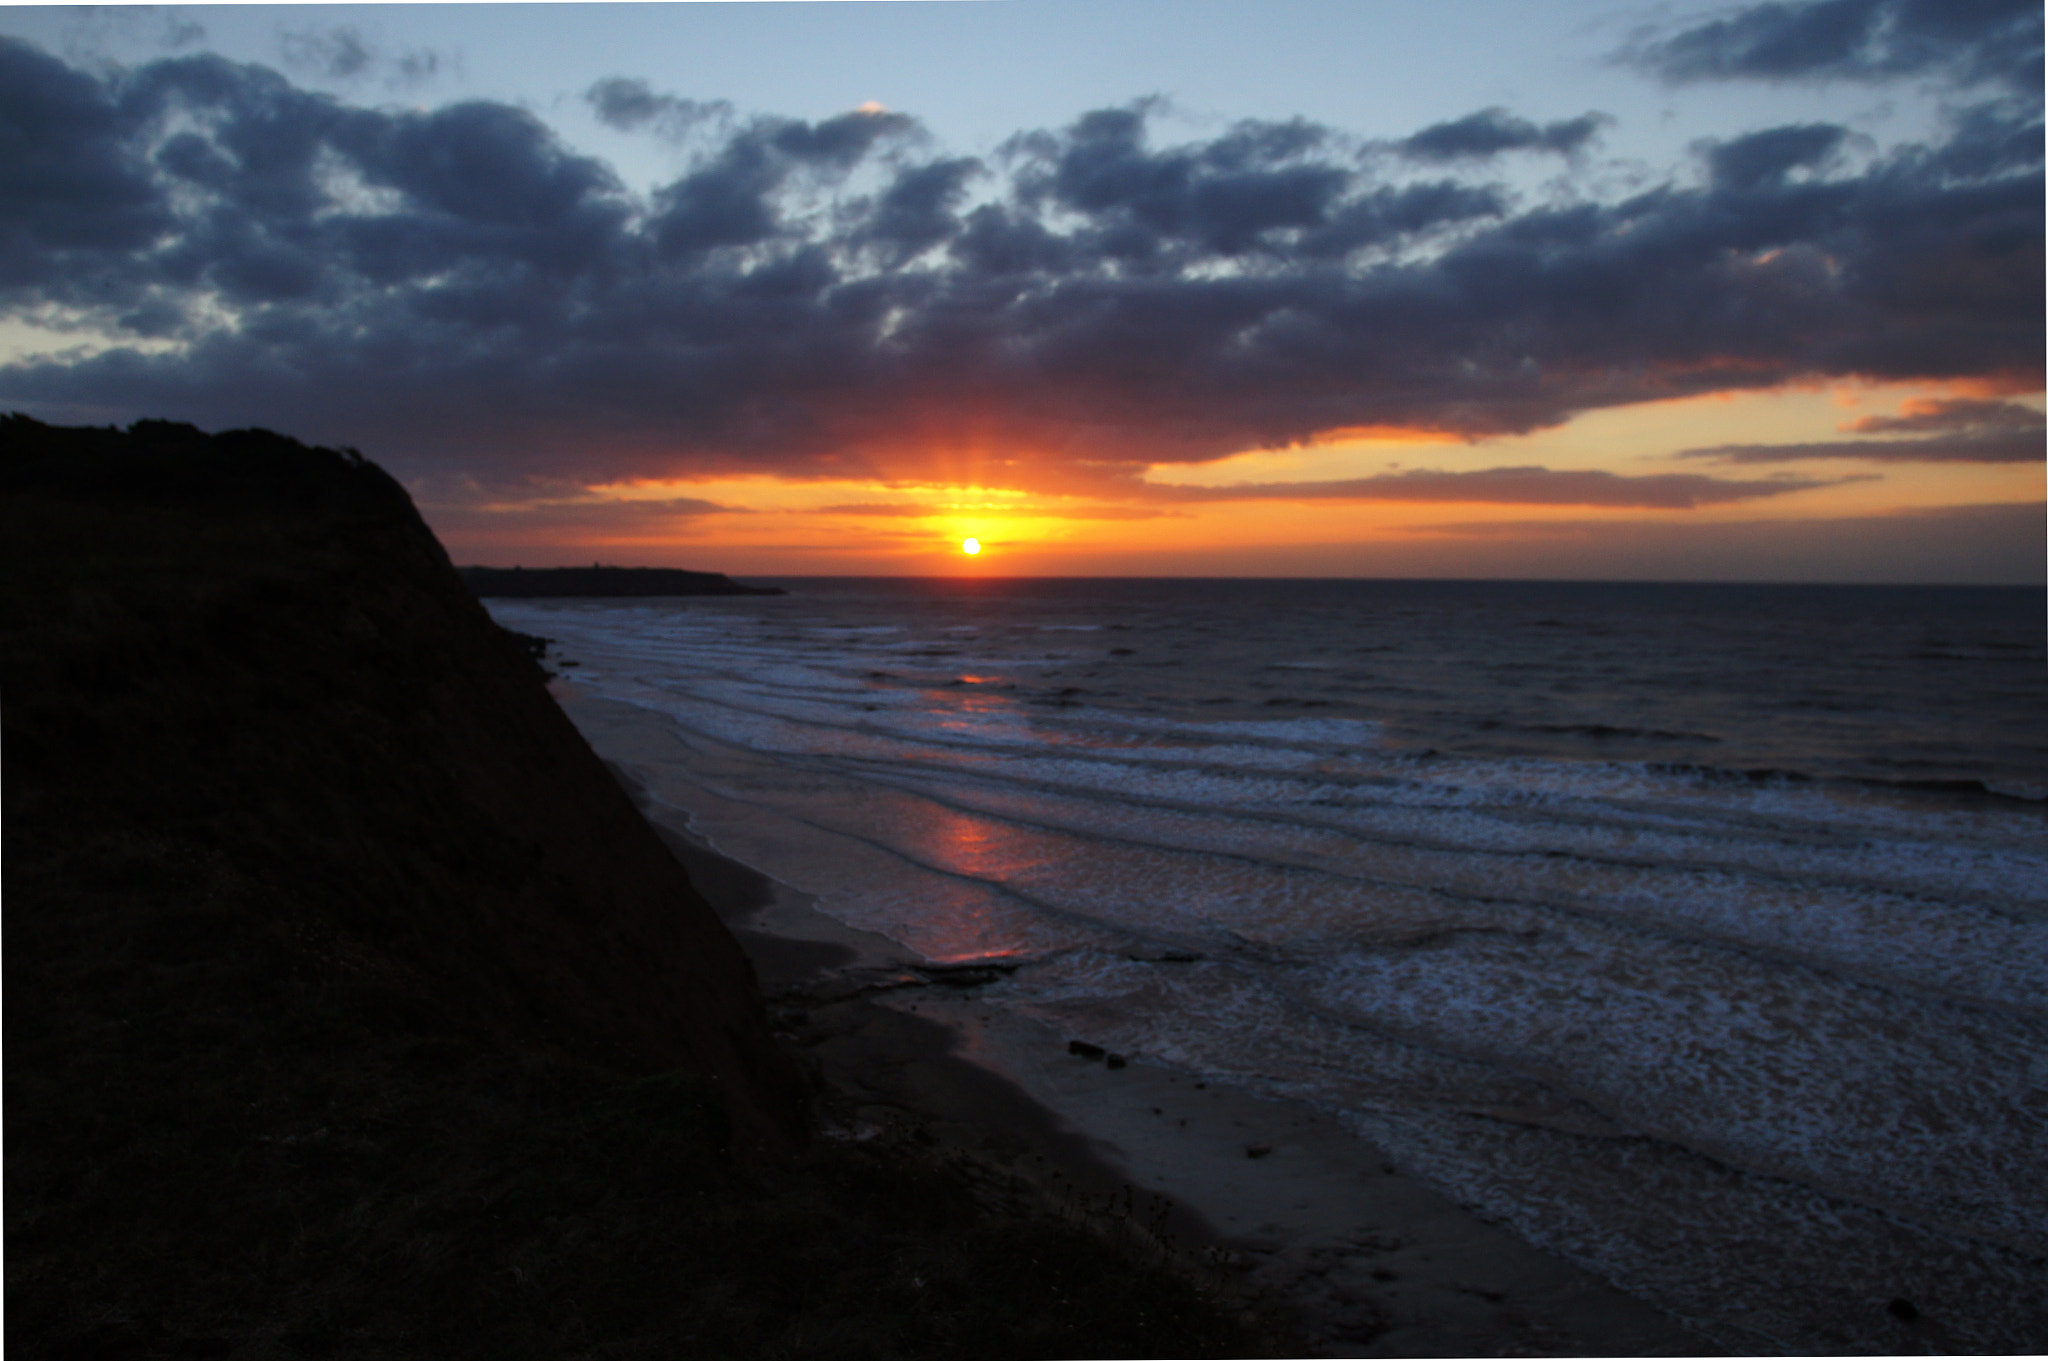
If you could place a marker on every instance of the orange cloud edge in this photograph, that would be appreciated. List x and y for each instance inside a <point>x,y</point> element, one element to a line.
<point>1118,522</point>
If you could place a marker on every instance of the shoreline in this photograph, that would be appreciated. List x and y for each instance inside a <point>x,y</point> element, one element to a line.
<point>1286,1203</point>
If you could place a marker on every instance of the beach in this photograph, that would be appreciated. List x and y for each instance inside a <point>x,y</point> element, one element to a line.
<point>1283,1201</point>
<point>1724,992</point>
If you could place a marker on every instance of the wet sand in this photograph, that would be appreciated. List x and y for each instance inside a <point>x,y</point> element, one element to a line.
<point>1280,1199</point>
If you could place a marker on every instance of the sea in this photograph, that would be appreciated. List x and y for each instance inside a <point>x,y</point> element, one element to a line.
<point>1697,933</point>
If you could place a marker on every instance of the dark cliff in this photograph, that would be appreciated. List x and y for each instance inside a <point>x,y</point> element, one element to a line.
<point>352,1010</point>
<point>256,651</point>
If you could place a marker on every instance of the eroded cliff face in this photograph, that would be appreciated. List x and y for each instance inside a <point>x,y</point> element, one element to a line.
<point>241,664</point>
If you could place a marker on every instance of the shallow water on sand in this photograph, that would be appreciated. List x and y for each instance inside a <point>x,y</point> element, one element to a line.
<point>1699,934</point>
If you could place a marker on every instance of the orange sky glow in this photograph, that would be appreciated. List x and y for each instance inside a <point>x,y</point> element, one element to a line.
<point>1894,519</point>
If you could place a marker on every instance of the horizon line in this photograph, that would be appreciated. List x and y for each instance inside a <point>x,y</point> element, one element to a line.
<point>1389,580</point>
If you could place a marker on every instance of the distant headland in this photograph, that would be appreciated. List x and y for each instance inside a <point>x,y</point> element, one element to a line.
<point>527,583</point>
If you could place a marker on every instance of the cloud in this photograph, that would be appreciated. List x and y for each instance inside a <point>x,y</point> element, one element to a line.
<point>336,53</point>
<point>467,524</point>
<point>884,509</point>
<point>1990,139</point>
<point>1227,197</point>
<point>630,105</point>
<point>1990,42</point>
<point>454,289</point>
<point>1764,160</point>
<point>1996,446</point>
<point>670,506</point>
<point>93,30</point>
<point>1922,414</point>
<point>73,185</point>
<point>1517,486</point>
<point>1057,510</point>
<point>1954,430</point>
<point>1493,131</point>
<point>918,210</point>
<point>343,54</point>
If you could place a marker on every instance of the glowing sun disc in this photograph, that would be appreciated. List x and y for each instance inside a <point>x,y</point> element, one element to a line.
<point>970,546</point>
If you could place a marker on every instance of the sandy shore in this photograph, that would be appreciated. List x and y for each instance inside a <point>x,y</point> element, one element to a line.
<point>1365,1261</point>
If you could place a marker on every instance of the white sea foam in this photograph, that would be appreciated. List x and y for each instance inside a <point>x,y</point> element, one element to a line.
<point>1596,998</point>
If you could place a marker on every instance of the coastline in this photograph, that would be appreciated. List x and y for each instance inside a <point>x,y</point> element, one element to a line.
<point>1281,1201</point>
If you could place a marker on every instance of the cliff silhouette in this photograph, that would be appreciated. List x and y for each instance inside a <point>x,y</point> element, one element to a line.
<point>351,1008</point>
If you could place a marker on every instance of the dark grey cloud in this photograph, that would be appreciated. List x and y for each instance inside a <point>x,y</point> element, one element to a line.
<point>1994,42</point>
<point>1493,131</point>
<point>919,209</point>
<point>1763,160</point>
<point>1525,486</point>
<point>1227,197</point>
<point>336,53</point>
<point>1969,414</point>
<point>342,53</point>
<point>1992,446</point>
<point>1952,430</point>
<point>631,105</point>
<point>546,524</point>
<point>1990,139</point>
<point>416,67</point>
<point>74,185</point>
<point>454,289</point>
<point>732,198</point>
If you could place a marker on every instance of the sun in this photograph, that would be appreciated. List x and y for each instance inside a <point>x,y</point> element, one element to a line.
<point>970,546</point>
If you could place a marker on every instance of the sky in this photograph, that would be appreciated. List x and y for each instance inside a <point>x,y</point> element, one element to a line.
<point>1445,288</point>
